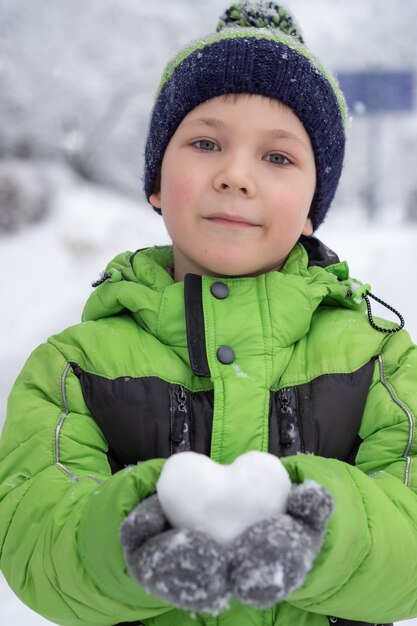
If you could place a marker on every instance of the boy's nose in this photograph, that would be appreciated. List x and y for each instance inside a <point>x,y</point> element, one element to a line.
<point>226,187</point>
<point>234,180</point>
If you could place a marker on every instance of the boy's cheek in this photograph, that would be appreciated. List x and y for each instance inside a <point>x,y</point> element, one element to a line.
<point>292,208</point>
<point>180,190</point>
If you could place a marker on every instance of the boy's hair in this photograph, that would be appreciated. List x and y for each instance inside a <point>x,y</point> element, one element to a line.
<point>257,49</point>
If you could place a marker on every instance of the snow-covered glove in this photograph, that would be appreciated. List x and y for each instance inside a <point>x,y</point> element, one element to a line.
<point>187,568</point>
<point>271,558</point>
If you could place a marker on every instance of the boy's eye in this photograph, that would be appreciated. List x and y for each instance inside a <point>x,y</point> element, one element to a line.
<point>206,144</point>
<point>277,159</point>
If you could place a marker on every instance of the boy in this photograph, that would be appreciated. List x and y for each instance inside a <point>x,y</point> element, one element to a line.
<point>247,334</point>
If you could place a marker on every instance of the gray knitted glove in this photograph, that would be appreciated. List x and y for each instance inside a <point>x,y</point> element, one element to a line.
<point>187,568</point>
<point>272,557</point>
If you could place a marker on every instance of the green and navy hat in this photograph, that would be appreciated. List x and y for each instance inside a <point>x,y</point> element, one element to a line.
<point>257,49</point>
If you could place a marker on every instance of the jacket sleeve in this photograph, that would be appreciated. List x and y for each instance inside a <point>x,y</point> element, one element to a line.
<point>367,569</point>
<point>60,507</point>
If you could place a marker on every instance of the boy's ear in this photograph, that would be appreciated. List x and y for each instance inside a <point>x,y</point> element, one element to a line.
<point>308,227</point>
<point>155,199</point>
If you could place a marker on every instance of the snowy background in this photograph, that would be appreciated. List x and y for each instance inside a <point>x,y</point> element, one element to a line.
<point>76,85</point>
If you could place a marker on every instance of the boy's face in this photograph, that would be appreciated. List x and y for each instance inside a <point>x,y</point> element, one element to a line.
<point>237,183</point>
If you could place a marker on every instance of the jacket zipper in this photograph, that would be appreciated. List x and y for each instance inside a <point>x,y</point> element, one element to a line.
<point>180,416</point>
<point>289,425</point>
<point>286,424</point>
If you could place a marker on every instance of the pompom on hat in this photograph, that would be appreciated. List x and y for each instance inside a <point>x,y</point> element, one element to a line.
<point>257,49</point>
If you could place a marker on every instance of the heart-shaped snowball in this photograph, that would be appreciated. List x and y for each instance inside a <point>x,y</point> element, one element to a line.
<point>222,500</point>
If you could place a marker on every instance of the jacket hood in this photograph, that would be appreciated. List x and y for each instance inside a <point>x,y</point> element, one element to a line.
<point>140,284</point>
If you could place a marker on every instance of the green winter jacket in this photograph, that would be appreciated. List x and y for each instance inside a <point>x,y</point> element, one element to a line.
<point>61,503</point>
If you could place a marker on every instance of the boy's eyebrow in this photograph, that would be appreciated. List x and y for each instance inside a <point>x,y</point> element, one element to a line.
<point>280,133</point>
<point>208,121</point>
<point>277,133</point>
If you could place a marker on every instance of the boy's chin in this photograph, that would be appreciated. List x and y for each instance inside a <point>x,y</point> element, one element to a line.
<point>234,270</point>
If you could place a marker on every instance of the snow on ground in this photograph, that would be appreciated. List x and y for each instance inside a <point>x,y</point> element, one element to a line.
<point>47,272</point>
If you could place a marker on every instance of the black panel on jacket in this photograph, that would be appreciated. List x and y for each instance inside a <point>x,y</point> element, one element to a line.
<point>324,415</point>
<point>138,416</point>
<point>331,409</point>
<point>337,621</point>
<point>135,416</point>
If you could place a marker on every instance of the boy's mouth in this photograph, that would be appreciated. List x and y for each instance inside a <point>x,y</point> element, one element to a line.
<point>233,221</point>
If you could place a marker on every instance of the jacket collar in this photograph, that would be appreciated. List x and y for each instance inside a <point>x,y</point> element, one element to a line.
<point>140,285</point>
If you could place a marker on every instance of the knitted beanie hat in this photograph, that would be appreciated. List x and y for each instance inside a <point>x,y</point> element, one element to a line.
<point>257,49</point>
